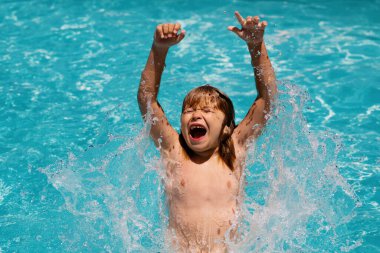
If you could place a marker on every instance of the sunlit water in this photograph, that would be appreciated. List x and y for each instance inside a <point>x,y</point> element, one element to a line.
<point>79,173</point>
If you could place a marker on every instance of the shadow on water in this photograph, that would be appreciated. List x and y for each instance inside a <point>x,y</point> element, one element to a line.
<point>295,199</point>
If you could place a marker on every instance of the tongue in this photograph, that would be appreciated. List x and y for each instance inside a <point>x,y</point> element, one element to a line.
<point>198,132</point>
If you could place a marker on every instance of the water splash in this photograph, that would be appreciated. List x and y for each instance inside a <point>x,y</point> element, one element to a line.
<point>115,192</point>
<point>295,199</point>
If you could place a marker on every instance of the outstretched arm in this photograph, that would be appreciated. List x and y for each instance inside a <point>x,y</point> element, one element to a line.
<point>252,33</point>
<point>166,35</point>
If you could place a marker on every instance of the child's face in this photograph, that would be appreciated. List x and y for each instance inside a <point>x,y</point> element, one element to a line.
<point>201,127</point>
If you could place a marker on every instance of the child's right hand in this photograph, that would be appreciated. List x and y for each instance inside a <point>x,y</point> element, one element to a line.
<point>166,35</point>
<point>252,30</point>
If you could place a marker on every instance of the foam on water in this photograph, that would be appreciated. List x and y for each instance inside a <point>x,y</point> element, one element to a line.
<point>295,199</point>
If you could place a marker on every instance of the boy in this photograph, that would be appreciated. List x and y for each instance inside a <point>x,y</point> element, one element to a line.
<point>204,162</point>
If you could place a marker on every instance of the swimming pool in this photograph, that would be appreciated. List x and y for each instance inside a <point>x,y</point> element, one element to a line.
<point>79,174</point>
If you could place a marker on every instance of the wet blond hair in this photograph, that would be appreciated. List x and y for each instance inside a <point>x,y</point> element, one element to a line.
<point>208,95</point>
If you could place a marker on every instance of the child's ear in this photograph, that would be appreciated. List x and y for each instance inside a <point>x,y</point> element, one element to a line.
<point>227,130</point>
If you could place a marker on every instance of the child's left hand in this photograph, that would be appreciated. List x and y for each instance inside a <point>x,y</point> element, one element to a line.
<point>252,30</point>
<point>166,35</point>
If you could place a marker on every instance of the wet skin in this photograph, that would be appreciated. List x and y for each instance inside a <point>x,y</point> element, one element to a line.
<point>203,193</point>
<point>202,198</point>
<point>208,118</point>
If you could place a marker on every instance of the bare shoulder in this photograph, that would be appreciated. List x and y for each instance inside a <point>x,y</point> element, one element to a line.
<point>173,159</point>
<point>241,150</point>
<point>240,154</point>
<point>172,151</point>
<point>251,126</point>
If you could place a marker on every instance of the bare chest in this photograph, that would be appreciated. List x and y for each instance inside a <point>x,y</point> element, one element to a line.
<point>202,185</point>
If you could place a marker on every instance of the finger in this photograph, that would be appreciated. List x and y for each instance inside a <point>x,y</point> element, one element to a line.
<point>249,21</point>
<point>239,18</point>
<point>181,36</point>
<point>256,20</point>
<point>264,24</point>
<point>177,27</point>
<point>165,28</point>
<point>234,29</point>
<point>170,30</point>
<point>160,32</point>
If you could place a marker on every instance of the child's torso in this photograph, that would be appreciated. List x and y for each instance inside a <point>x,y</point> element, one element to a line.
<point>203,201</point>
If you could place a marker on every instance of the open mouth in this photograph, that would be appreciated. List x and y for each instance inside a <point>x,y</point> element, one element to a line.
<point>197,132</point>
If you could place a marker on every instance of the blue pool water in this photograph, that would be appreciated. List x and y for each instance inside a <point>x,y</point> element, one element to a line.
<point>79,174</point>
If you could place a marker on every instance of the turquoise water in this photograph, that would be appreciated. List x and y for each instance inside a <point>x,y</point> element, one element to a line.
<point>78,173</point>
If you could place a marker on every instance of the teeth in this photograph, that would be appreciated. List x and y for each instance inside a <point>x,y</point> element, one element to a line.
<point>193,127</point>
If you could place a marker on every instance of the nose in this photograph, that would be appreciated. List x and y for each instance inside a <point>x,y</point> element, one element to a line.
<point>196,115</point>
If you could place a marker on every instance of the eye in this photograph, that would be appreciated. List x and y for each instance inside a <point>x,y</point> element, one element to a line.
<point>207,109</point>
<point>189,110</point>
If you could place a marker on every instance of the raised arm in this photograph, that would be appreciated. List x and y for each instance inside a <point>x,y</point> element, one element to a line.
<point>166,35</point>
<point>252,32</point>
